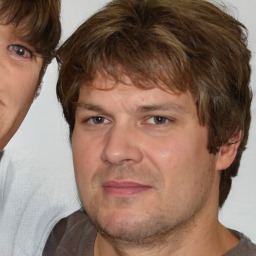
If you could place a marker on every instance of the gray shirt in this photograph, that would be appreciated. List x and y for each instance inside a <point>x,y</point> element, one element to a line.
<point>244,248</point>
<point>75,236</point>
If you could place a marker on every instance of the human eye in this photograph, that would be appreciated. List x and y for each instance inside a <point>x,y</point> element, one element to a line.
<point>96,120</point>
<point>20,51</point>
<point>159,120</point>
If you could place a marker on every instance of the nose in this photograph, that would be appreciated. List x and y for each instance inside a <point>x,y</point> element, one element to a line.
<point>122,145</point>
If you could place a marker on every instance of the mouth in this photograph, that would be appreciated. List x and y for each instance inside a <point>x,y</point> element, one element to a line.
<point>124,188</point>
<point>2,103</point>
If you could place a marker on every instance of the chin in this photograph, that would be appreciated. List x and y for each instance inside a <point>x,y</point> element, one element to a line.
<point>133,230</point>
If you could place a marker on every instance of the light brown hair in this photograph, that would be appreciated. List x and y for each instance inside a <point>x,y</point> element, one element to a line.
<point>186,45</point>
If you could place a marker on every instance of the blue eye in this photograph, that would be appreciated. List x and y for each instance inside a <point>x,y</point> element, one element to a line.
<point>20,51</point>
<point>97,120</point>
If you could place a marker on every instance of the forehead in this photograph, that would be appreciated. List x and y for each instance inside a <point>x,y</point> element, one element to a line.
<point>102,80</point>
<point>7,30</point>
<point>105,92</point>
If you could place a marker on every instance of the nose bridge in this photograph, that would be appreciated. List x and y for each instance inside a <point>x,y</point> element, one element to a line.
<point>122,145</point>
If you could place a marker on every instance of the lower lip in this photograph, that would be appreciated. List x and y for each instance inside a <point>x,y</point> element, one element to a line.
<point>125,191</point>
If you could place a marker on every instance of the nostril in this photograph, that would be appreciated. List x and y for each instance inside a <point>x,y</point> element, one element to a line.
<point>119,151</point>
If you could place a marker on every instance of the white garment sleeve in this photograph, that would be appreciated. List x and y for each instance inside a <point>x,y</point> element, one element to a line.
<point>30,205</point>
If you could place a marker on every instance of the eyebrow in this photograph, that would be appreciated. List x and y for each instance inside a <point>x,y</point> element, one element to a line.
<point>140,109</point>
<point>164,107</point>
<point>89,106</point>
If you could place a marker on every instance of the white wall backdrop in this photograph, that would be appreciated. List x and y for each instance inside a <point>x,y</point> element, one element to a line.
<point>43,136</point>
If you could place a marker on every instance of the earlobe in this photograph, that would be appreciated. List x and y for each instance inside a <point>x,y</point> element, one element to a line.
<point>227,152</point>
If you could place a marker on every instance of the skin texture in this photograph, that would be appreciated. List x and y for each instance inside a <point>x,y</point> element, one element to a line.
<point>143,171</point>
<point>19,73</point>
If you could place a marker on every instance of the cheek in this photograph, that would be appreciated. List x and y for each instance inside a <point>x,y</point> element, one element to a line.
<point>23,89</point>
<point>169,154</point>
<point>81,168</point>
<point>180,159</point>
<point>86,158</point>
<point>31,82</point>
<point>86,152</point>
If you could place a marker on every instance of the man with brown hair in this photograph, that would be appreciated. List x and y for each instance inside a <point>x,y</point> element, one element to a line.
<point>156,94</point>
<point>29,34</point>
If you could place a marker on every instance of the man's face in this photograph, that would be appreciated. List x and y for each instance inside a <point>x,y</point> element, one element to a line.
<point>19,73</point>
<point>141,161</point>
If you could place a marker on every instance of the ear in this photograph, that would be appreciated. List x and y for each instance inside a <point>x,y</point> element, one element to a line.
<point>227,152</point>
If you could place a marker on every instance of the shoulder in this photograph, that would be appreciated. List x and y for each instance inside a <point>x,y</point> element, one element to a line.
<point>244,248</point>
<point>76,223</point>
<point>70,235</point>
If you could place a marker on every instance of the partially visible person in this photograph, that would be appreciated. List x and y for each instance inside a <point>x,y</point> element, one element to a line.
<point>29,34</point>
<point>156,94</point>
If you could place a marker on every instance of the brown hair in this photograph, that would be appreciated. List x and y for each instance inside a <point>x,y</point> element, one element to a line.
<point>35,22</point>
<point>182,44</point>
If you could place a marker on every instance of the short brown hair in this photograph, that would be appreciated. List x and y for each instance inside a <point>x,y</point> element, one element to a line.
<point>36,22</point>
<point>187,45</point>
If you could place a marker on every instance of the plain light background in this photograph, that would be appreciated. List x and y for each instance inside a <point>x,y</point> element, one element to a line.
<point>43,135</point>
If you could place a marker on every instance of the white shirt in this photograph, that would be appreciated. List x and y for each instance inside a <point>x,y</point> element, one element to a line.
<point>31,203</point>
